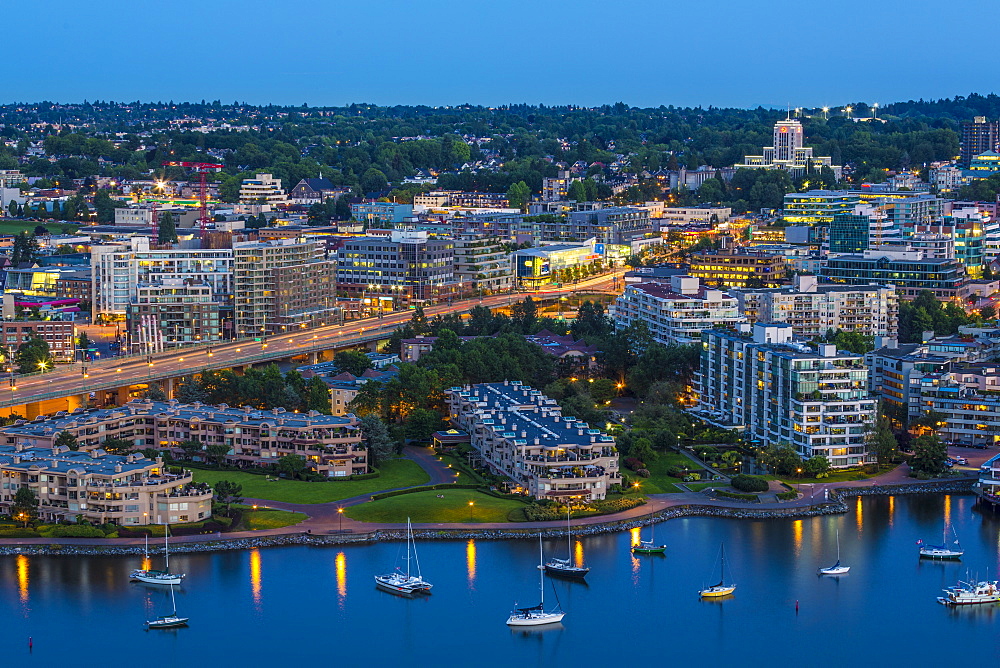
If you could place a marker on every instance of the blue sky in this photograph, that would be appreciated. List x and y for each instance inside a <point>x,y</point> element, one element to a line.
<point>439,52</point>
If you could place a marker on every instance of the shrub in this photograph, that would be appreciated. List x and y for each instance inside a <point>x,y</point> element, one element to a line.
<point>738,497</point>
<point>634,463</point>
<point>749,483</point>
<point>19,533</point>
<point>788,496</point>
<point>675,471</point>
<point>642,473</point>
<point>74,531</point>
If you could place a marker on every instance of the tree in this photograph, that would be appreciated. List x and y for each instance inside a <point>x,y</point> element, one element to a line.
<point>25,505</point>
<point>217,452</point>
<point>83,341</point>
<point>116,446</point>
<point>816,465</point>
<point>190,391</point>
<point>342,209</point>
<point>373,180</point>
<point>66,439</point>
<point>378,440</point>
<point>524,315</point>
<point>518,195</point>
<point>421,423</point>
<point>577,191</point>
<point>353,362</point>
<point>883,443</point>
<point>24,250</point>
<point>227,493</point>
<point>929,454</point>
<point>166,230</point>
<point>781,458</point>
<point>291,465</point>
<point>14,208</point>
<point>33,355</point>
<point>105,207</point>
<point>190,448</point>
<point>316,396</point>
<point>154,393</point>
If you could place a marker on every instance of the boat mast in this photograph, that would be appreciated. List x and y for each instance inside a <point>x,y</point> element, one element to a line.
<point>173,601</point>
<point>541,573</point>
<point>416,558</point>
<point>838,546</point>
<point>569,538</point>
<point>166,549</point>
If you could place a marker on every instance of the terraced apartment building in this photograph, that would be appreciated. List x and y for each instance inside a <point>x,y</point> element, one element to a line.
<point>520,433</point>
<point>100,488</point>
<point>330,445</point>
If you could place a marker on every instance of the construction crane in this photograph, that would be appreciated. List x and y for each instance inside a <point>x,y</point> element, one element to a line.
<point>201,169</point>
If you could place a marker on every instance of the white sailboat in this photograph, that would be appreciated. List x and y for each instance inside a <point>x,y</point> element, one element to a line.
<point>171,621</point>
<point>536,615</point>
<point>564,567</point>
<point>942,551</point>
<point>723,588</point>
<point>837,568</point>
<point>398,582</point>
<point>164,577</point>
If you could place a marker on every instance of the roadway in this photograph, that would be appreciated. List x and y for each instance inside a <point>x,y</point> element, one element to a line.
<point>120,373</point>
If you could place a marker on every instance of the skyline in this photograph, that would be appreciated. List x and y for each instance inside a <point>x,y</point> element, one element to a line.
<point>417,57</point>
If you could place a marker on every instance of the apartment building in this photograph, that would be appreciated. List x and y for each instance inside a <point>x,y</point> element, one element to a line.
<point>476,200</point>
<point>677,312</point>
<point>331,446</point>
<point>738,267</point>
<point>816,207</point>
<point>381,213</point>
<point>691,215</point>
<point>610,225</point>
<point>520,433</point>
<point>119,269</point>
<point>58,334</point>
<point>556,188</point>
<point>779,391</point>
<point>813,309</point>
<point>978,137</point>
<point>100,488</point>
<point>173,313</point>
<point>407,264</point>
<point>482,264</point>
<point>54,282</point>
<point>896,372</point>
<point>282,283</point>
<point>264,192</point>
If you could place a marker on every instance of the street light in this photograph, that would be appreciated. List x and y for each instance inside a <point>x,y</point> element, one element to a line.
<point>471,504</point>
<point>340,512</point>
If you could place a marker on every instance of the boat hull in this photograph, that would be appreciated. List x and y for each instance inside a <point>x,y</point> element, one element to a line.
<point>839,570</point>
<point>157,580</point>
<point>403,588</point>
<point>978,601</point>
<point>168,623</point>
<point>569,573</point>
<point>649,550</point>
<point>941,554</point>
<point>538,619</point>
<point>717,592</point>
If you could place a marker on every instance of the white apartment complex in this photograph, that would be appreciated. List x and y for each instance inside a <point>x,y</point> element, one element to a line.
<point>780,391</point>
<point>264,191</point>
<point>678,312</point>
<point>520,433</point>
<point>482,264</point>
<point>813,309</point>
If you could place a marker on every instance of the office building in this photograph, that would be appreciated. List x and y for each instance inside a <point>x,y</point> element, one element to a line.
<point>779,391</point>
<point>985,164</point>
<point>865,226</point>
<point>406,265</point>
<point>817,207</point>
<point>896,372</point>
<point>58,334</point>
<point>738,267</point>
<point>381,213</point>
<point>978,137</point>
<point>908,271</point>
<point>553,263</point>
<point>610,225</point>
<point>813,309</point>
<point>520,433</point>
<point>698,214</point>
<point>677,312</point>
<point>282,284</point>
<point>172,313</point>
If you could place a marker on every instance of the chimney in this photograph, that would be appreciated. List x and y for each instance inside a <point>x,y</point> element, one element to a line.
<point>118,468</point>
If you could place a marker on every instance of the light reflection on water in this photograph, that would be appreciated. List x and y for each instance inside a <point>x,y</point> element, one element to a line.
<point>470,562</point>
<point>340,564</point>
<point>255,579</point>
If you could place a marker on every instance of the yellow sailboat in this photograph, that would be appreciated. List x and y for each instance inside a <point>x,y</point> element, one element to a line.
<point>722,588</point>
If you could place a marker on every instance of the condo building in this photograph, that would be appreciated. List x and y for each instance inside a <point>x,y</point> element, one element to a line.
<point>520,433</point>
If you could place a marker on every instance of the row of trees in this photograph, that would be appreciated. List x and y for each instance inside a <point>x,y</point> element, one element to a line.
<point>263,388</point>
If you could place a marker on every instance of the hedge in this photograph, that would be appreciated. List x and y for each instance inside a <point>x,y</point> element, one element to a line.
<point>738,497</point>
<point>423,488</point>
<point>788,496</point>
<point>19,533</point>
<point>749,483</point>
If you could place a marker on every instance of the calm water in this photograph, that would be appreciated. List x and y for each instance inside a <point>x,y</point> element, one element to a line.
<point>276,605</point>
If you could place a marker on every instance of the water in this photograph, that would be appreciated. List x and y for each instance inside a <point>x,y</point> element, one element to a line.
<point>277,605</point>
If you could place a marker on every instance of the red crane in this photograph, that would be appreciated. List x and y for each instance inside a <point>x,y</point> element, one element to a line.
<point>201,169</point>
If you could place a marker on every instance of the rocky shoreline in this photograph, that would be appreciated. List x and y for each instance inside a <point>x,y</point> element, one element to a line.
<point>835,506</point>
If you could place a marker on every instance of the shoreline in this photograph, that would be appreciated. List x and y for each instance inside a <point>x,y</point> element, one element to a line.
<point>835,506</point>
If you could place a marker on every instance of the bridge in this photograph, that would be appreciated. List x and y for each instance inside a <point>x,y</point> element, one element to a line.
<point>112,381</point>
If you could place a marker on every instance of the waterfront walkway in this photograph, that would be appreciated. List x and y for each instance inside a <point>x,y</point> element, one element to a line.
<point>326,518</point>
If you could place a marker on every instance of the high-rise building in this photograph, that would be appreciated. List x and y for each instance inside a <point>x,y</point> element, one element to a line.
<point>406,264</point>
<point>780,391</point>
<point>817,206</point>
<point>788,152</point>
<point>556,188</point>
<point>482,264</point>
<point>281,284</point>
<point>262,193</point>
<point>172,313</point>
<point>978,137</point>
<point>865,226</point>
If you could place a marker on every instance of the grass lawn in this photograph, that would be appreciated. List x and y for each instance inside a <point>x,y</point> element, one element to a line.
<point>466,475</point>
<point>836,475</point>
<point>699,486</point>
<point>426,507</point>
<point>18,226</point>
<point>268,519</point>
<point>395,473</point>
<point>659,482</point>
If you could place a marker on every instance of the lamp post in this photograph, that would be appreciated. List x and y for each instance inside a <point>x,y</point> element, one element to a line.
<point>471,504</point>
<point>340,513</point>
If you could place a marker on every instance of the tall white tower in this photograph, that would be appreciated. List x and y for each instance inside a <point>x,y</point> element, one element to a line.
<point>787,138</point>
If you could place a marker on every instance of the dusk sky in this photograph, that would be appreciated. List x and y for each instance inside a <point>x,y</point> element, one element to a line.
<point>440,52</point>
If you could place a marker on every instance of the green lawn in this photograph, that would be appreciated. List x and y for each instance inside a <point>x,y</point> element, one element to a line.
<point>254,520</point>
<point>426,507</point>
<point>18,226</point>
<point>836,475</point>
<point>698,486</point>
<point>659,482</point>
<point>395,473</point>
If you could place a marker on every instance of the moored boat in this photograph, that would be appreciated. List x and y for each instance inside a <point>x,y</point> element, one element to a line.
<point>565,567</point>
<point>837,568</point>
<point>942,551</point>
<point>164,577</point>
<point>536,615</point>
<point>971,593</point>
<point>398,582</point>
<point>722,588</point>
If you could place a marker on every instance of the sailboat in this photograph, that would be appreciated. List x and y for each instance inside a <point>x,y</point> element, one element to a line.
<point>536,615</point>
<point>720,589</point>
<point>564,567</point>
<point>398,582</point>
<point>649,546</point>
<point>171,621</point>
<point>942,551</point>
<point>837,568</point>
<point>164,577</point>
